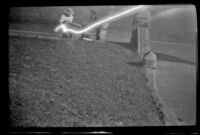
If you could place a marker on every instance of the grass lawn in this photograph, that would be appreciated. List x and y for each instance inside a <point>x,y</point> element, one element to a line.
<point>67,83</point>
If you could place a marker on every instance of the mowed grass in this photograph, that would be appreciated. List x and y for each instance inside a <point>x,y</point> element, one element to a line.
<point>71,83</point>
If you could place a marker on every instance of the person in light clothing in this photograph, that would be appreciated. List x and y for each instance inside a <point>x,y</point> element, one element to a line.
<point>140,39</point>
<point>66,18</point>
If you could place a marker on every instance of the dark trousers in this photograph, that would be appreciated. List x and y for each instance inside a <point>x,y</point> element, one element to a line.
<point>98,33</point>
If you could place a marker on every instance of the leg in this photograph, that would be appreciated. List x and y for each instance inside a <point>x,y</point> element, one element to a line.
<point>69,35</point>
<point>98,34</point>
<point>61,35</point>
<point>103,35</point>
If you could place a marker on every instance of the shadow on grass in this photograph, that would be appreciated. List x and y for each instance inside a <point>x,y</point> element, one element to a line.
<point>165,57</point>
<point>125,45</point>
<point>160,56</point>
<point>129,47</point>
<point>136,64</point>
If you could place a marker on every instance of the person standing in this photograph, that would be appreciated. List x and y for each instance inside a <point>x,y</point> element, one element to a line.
<point>92,34</point>
<point>93,18</point>
<point>140,39</point>
<point>104,28</point>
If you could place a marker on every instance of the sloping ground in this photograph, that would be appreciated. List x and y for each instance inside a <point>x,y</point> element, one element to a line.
<point>58,83</point>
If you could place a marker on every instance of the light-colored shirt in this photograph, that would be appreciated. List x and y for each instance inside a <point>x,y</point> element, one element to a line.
<point>66,19</point>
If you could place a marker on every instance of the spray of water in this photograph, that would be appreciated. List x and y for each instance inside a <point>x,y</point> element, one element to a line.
<point>107,19</point>
<point>118,15</point>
